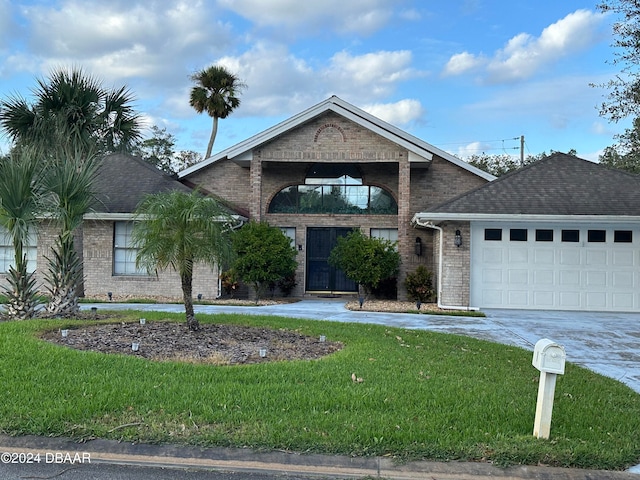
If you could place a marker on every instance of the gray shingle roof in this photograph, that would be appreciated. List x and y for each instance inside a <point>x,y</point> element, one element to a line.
<point>557,185</point>
<point>123,180</point>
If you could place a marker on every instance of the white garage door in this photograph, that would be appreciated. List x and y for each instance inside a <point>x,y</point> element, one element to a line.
<point>555,268</point>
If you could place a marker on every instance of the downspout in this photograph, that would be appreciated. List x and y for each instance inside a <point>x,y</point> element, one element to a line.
<point>440,255</point>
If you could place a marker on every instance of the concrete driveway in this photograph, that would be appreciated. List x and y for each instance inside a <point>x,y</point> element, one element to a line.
<point>607,343</point>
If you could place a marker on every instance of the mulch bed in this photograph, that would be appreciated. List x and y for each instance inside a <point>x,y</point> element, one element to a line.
<point>212,344</point>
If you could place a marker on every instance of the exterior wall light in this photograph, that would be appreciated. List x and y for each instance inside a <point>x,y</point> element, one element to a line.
<point>418,246</point>
<point>458,239</point>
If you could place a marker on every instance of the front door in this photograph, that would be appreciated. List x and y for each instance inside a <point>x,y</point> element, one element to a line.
<point>322,277</point>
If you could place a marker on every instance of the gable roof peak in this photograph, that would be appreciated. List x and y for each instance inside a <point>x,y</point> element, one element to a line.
<point>243,151</point>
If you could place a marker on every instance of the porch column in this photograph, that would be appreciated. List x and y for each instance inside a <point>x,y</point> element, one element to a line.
<point>404,219</point>
<point>255,179</point>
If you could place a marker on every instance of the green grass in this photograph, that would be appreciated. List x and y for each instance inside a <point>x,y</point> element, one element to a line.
<point>424,395</point>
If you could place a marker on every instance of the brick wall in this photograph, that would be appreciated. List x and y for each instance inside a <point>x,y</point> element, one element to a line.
<point>99,278</point>
<point>333,139</point>
<point>226,179</point>
<point>456,265</point>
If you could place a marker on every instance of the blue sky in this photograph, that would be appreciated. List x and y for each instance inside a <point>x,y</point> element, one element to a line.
<point>468,76</point>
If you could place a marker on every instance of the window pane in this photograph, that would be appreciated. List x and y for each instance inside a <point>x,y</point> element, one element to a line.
<point>544,235</point>
<point>623,236</point>
<point>310,199</point>
<point>7,254</point>
<point>570,235</point>
<point>290,233</point>
<point>597,236</point>
<point>390,234</point>
<point>493,234</point>
<point>382,202</point>
<point>518,234</point>
<point>124,256</point>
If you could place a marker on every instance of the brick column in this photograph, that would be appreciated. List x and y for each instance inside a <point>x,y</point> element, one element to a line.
<point>255,181</point>
<point>404,218</point>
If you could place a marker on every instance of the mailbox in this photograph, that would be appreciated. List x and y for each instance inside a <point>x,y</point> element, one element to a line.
<point>549,357</point>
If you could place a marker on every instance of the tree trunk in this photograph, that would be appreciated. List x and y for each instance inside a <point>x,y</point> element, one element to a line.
<point>214,132</point>
<point>187,296</point>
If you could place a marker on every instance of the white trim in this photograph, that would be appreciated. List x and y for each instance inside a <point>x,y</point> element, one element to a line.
<point>108,216</point>
<point>423,217</point>
<point>133,216</point>
<point>345,109</point>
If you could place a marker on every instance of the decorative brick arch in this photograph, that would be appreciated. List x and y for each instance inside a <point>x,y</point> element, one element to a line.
<point>329,125</point>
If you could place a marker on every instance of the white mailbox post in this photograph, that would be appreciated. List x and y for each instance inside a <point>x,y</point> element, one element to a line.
<point>549,358</point>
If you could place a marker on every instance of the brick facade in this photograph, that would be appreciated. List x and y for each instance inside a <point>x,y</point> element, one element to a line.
<point>332,138</point>
<point>99,278</point>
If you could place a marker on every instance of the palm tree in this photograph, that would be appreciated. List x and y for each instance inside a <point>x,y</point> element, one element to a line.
<point>72,106</point>
<point>215,93</point>
<point>20,190</point>
<point>68,184</point>
<point>177,229</point>
<point>72,120</point>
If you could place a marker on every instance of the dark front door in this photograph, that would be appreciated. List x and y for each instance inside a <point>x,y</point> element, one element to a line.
<point>322,277</point>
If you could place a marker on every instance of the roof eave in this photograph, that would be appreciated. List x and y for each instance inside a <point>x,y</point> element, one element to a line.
<point>436,218</point>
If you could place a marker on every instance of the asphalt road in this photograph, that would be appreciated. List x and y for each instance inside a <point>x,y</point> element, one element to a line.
<point>106,471</point>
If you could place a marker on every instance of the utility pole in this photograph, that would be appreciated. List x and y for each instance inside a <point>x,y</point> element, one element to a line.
<point>521,150</point>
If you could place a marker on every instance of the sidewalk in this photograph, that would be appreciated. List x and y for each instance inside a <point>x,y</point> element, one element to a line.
<point>287,464</point>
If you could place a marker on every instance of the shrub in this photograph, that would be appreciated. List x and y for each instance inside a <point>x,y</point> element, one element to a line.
<point>367,261</point>
<point>264,255</point>
<point>419,285</point>
<point>229,281</point>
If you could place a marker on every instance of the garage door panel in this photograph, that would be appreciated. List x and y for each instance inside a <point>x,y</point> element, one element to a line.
<point>596,257</point>
<point>492,275</point>
<point>623,279</point>
<point>544,277</point>
<point>596,300</point>
<point>568,257</point>
<point>555,274</point>
<point>624,259</point>
<point>544,257</point>
<point>519,277</point>
<point>570,278</point>
<point>518,298</point>
<point>569,299</point>
<point>596,279</point>
<point>492,255</point>
<point>518,255</point>
<point>543,299</point>
<point>492,297</point>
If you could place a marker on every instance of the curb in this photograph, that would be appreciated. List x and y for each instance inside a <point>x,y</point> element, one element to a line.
<point>277,462</point>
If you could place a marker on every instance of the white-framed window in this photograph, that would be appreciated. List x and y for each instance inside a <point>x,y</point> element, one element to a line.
<point>390,234</point>
<point>7,255</point>
<point>124,253</point>
<point>290,233</point>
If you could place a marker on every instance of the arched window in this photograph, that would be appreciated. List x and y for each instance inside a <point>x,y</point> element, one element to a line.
<point>334,188</point>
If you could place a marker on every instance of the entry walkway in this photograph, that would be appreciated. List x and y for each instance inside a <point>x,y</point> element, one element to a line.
<point>607,343</point>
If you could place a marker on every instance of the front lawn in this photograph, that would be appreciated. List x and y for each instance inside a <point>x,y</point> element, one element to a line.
<point>423,395</point>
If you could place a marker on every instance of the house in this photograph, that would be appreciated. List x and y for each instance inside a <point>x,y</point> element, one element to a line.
<point>332,168</point>
<point>559,234</point>
<point>104,241</point>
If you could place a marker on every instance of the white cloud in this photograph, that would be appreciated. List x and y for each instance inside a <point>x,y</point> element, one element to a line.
<point>279,82</point>
<point>304,17</point>
<point>473,148</point>
<point>121,40</point>
<point>379,71</point>
<point>461,63</point>
<point>524,54</point>
<point>398,113</point>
